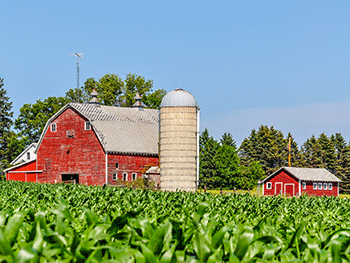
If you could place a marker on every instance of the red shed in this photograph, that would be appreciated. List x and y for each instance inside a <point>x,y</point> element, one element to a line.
<point>293,181</point>
<point>94,144</point>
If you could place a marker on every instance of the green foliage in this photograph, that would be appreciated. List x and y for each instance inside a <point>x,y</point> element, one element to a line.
<point>33,117</point>
<point>220,165</point>
<point>5,124</point>
<point>267,146</point>
<point>74,223</point>
<point>113,90</point>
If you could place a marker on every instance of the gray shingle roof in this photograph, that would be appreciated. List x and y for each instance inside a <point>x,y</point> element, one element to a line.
<point>308,174</point>
<point>120,129</point>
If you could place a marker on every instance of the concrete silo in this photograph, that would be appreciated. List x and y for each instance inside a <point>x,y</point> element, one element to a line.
<point>179,141</point>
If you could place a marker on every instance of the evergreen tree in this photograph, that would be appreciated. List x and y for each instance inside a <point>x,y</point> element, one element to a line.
<point>208,170</point>
<point>267,146</point>
<point>312,153</point>
<point>5,125</point>
<point>227,161</point>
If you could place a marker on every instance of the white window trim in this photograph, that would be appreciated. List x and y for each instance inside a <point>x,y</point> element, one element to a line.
<point>269,185</point>
<point>325,186</point>
<point>330,186</point>
<point>320,186</point>
<point>314,186</point>
<point>281,191</point>
<point>87,126</point>
<point>134,176</point>
<point>53,127</point>
<point>304,185</point>
<point>285,188</point>
<point>115,176</point>
<point>125,176</point>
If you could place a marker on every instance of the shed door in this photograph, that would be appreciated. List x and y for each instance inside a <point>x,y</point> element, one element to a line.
<point>289,189</point>
<point>278,188</point>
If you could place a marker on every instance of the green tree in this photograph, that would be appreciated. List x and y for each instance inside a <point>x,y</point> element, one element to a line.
<point>113,90</point>
<point>33,117</point>
<point>267,146</point>
<point>311,151</point>
<point>5,126</point>
<point>249,175</point>
<point>208,170</point>
<point>328,152</point>
<point>227,161</point>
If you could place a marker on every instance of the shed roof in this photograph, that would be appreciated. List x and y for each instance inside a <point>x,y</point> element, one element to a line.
<point>307,174</point>
<point>119,129</point>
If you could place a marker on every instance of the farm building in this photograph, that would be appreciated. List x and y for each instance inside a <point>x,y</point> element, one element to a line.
<point>26,156</point>
<point>96,145</point>
<point>93,144</point>
<point>292,181</point>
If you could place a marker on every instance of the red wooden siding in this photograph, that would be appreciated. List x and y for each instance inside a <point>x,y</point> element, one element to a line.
<point>282,182</point>
<point>128,164</point>
<point>25,172</point>
<point>82,155</point>
<point>310,191</point>
<point>286,184</point>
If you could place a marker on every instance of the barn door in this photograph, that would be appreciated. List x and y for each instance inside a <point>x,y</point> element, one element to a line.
<point>70,178</point>
<point>289,189</point>
<point>278,188</point>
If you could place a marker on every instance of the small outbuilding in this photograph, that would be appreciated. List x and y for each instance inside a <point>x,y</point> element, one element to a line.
<point>293,181</point>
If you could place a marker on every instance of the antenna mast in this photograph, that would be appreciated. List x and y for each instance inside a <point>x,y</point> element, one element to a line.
<point>78,55</point>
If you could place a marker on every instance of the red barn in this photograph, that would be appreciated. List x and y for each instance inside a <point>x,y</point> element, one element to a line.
<point>93,144</point>
<point>292,181</point>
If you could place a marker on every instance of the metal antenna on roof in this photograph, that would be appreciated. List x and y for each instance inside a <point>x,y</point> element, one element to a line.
<point>78,55</point>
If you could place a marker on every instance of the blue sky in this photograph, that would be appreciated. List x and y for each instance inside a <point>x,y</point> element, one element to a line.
<point>248,63</point>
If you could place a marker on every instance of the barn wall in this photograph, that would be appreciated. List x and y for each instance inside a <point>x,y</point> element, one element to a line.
<point>284,178</point>
<point>310,191</point>
<point>129,164</point>
<point>82,155</point>
<point>21,173</point>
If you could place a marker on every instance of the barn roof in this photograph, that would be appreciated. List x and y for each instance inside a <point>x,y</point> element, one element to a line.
<point>119,129</point>
<point>307,174</point>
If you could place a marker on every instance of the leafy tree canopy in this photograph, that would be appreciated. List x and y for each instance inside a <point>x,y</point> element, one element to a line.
<point>112,91</point>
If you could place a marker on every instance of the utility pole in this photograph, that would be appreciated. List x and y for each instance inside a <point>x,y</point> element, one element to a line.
<point>289,149</point>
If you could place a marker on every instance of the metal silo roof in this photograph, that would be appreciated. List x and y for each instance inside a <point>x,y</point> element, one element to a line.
<point>179,98</point>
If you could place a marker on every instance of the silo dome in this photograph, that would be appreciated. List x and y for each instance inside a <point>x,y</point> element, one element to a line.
<point>179,98</point>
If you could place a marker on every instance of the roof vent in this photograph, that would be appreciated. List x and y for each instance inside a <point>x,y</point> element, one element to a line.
<point>138,104</point>
<point>94,100</point>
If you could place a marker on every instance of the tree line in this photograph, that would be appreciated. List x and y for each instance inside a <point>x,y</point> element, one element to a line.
<point>222,163</point>
<point>16,135</point>
<point>266,150</point>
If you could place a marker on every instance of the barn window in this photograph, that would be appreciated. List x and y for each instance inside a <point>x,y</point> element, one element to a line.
<point>304,185</point>
<point>115,177</point>
<point>134,176</point>
<point>125,176</point>
<point>28,156</point>
<point>70,134</point>
<point>116,165</point>
<point>87,126</point>
<point>269,185</point>
<point>315,186</point>
<point>53,127</point>
<point>325,186</point>
<point>319,186</point>
<point>330,186</point>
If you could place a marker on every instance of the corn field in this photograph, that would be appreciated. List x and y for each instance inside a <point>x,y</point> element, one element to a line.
<point>74,223</point>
